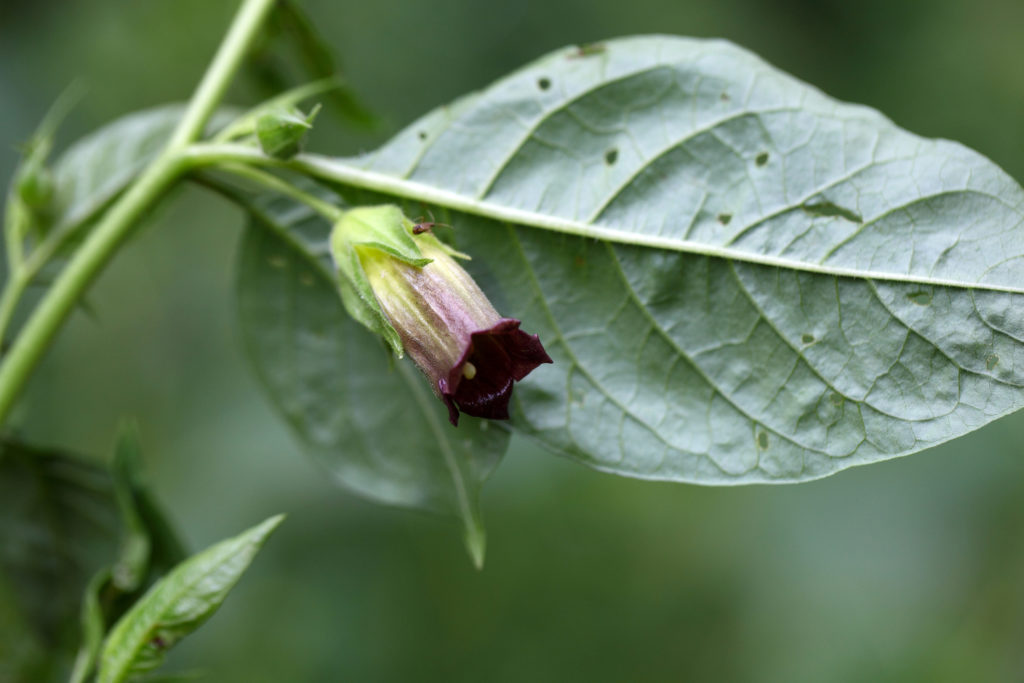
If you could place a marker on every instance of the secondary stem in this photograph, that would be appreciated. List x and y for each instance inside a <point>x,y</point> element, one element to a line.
<point>117,223</point>
<point>272,182</point>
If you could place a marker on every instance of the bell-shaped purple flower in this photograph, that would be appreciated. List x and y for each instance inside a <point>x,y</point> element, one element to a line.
<point>470,354</point>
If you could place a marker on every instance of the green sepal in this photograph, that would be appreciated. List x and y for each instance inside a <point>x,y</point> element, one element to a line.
<point>281,133</point>
<point>386,229</point>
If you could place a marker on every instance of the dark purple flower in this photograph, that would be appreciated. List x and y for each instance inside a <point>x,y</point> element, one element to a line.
<point>470,354</point>
<point>480,383</point>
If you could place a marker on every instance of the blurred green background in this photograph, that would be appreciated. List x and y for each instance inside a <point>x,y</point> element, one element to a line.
<point>912,570</point>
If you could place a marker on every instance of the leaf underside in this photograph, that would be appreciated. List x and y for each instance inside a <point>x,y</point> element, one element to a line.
<point>739,278</point>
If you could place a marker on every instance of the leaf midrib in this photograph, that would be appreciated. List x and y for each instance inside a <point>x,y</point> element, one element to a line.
<point>347,173</point>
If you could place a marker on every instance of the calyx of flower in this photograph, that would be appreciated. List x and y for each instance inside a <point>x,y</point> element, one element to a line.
<point>410,285</point>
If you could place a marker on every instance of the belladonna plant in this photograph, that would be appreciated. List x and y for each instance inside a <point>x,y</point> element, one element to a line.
<point>404,283</point>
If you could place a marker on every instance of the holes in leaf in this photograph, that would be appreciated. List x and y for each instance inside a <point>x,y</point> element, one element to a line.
<point>724,218</point>
<point>920,297</point>
<point>991,361</point>
<point>543,82</point>
<point>829,209</point>
<point>761,159</point>
<point>807,338</point>
<point>611,156</point>
<point>762,440</point>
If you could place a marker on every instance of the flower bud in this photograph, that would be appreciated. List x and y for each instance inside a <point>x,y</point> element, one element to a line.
<point>281,134</point>
<point>469,353</point>
<point>35,185</point>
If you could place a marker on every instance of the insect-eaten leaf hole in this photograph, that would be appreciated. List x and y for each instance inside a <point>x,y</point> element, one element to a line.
<point>828,209</point>
<point>724,218</point>
<point>807,338</point>
<point>611,156</point>
<point>761,159</point>
<point>543,83</point>
<point>991,361</point>
<point>920,297</point>
<point>762,440</point>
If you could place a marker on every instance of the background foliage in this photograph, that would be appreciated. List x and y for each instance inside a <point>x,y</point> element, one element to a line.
<point>908,570</point>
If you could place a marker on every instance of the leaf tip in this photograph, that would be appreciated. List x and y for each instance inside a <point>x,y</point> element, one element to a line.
<point>476,544</point>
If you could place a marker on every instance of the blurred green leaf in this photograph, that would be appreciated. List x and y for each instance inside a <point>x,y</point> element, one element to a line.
<point>56,520</point>
<point>178,604</point>
<point>292,45</point>
<point>739,278</point>
<point>94,170</point>
<point>148,549</point>
<point>93,625</point>
<point>371,419</point>
<point>133,557</point>
<point>28,208</point>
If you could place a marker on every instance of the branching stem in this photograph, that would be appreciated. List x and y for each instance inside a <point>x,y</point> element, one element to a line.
<point>108,235</point>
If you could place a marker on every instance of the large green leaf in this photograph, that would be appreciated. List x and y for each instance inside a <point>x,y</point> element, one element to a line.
<point>178,604</point>
<point>371,419</point>
<point>740,279</point>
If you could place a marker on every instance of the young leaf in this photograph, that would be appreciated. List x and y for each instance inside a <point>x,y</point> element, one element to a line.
<point>93,625</point>
<point>740,279</point>
<point>178,604</point>
<point>370,418</point>
<point>149,547</point>
<point>94,170</point>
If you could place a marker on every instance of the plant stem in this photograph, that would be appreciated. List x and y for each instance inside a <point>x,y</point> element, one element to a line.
<point>117,223</point>
<point>13,289</point>
<point>272,182</point>
<point>218,75</point>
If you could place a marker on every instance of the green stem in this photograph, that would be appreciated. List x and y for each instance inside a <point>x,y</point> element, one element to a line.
<point>104,240</point>
<point>272,182</point>
<point>221,70</point>
<point>13,289</point>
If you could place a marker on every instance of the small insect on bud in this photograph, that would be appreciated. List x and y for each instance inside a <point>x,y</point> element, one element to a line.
<point>281,134</point>
<point>469,353</point>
